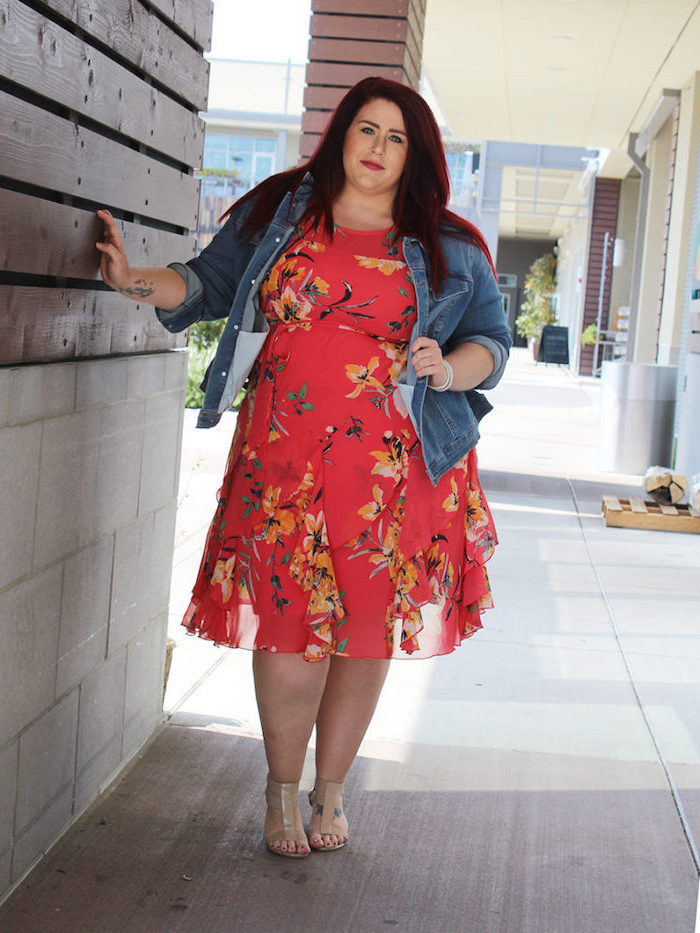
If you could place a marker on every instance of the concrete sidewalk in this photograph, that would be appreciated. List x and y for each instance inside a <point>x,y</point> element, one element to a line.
<point>545,777</point>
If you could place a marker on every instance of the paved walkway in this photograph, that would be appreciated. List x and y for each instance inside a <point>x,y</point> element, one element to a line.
<point>544,778</point>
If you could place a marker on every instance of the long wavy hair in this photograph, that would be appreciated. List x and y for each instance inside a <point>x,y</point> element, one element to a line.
<point>420,205</point>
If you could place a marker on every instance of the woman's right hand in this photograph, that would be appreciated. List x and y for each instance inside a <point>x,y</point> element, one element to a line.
<point>114,265</point>
<point>162,287</point>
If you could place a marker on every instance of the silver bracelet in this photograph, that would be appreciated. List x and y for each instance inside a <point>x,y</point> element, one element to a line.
<point>449,378</point>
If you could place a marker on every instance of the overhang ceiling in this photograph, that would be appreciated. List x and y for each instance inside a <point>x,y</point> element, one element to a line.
<point>539,204</point>
<point>562,72</point>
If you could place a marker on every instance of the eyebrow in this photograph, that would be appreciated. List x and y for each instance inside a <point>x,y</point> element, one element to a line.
<point>378,127</point>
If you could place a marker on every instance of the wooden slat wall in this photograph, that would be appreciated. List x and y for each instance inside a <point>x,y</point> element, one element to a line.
<point>193,19</point>
<point>74,323</point>
<point>39,54</point>
<point>352,41</point>
<point>99,106</point>
<point>606,198</point>
<point>134,32</point>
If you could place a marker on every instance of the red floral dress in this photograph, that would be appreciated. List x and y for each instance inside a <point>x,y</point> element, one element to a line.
<point>329,537</point>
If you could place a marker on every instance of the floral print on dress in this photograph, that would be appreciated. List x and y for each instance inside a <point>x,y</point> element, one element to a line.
<point>329,537</point>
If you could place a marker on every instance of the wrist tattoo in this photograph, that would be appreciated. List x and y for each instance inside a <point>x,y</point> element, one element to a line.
<point>140,289</point>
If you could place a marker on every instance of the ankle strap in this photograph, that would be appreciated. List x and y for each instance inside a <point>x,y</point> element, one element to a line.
<point>276,791</point>
<point>325,788</point>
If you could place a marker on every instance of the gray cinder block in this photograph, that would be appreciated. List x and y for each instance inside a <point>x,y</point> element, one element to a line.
<point>132,582</point>
<point>19,469</point>
<point>5,877</point>
<point>101,382</point>
<point>162,558</point>
<point>40,392</point>
<point>161,451</point>
<point>143,709</point>
<point>5,397</point>
<point>87,582</point>
<point>29,614</point>
<point>100,727</point>
<point>175,369</point>
<point>90,463</point>
<point>146,375</point>
<point>45,782</point>
<point>8,791</point>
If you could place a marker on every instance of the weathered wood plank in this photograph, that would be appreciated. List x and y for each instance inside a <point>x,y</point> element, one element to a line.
<point>143,39</point>
<point>40,148</point>
<point>38,54</point>
<point>45,238</point>
<point>193,17</point>
<point>612,504</point>
<point>39,324</point>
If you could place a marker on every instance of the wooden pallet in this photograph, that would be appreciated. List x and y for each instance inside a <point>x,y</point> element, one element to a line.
<point>635,513</point>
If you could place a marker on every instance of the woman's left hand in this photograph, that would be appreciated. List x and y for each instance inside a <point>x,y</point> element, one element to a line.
<point>427,360</point>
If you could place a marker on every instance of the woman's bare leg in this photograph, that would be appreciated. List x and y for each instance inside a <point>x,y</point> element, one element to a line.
<point>288,691</point>
<point>352,689</point>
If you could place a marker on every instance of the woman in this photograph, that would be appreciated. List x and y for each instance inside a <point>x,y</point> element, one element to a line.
<point>351,527</point>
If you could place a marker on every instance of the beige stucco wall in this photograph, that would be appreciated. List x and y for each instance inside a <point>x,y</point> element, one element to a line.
<point>658,159</point>
<point>679,230</point>
<point>571,271</point>
<point>621,283</point>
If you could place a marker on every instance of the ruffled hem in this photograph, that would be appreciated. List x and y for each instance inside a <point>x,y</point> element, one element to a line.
<point>239,627</point>
<point>428,596</point>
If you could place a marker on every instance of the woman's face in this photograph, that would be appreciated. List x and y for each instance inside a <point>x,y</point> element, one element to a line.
<point>375,148</point>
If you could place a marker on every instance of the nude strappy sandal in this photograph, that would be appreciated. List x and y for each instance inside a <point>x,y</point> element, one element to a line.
<point>285,798</point>
<point>327,800</point>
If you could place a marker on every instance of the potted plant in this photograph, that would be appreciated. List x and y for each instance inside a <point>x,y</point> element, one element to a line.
<point>589,336</point>
<point>538,309</point>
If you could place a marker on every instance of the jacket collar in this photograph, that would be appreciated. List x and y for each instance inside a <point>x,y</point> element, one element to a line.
<point>301,198</point>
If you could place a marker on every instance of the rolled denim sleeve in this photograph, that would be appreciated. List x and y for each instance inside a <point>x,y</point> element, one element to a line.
<point>211,278</point>
<point>500,358</point>
<point>177,319</point>
<point>484,321</point>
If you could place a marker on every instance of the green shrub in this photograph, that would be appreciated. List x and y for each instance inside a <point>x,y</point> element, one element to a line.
<point>203,339</point>
<point>589,336</point>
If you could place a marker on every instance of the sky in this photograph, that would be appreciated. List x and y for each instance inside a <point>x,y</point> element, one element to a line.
<point>261,30</point>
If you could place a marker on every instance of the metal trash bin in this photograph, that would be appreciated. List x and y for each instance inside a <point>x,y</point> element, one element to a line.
<point>635,426</point>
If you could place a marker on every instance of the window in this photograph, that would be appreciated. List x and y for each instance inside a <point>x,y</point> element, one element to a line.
<point>233,165</point>
<point>461,165</point>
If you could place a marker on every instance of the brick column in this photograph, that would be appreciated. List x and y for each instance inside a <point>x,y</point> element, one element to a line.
<point>353,41</point>
<point>606,198</point>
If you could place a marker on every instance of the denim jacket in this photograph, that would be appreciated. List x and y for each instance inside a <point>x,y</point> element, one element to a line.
<point>224,281</point>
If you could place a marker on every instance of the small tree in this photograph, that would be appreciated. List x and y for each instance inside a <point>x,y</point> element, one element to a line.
<point>537,309</point>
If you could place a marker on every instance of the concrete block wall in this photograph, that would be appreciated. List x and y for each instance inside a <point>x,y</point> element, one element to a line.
<point>89,460</point>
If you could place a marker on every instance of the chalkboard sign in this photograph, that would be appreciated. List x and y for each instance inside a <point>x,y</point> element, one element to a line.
<point>554,344</point>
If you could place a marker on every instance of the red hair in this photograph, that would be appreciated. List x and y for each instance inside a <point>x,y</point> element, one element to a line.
<point>420,206</point>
